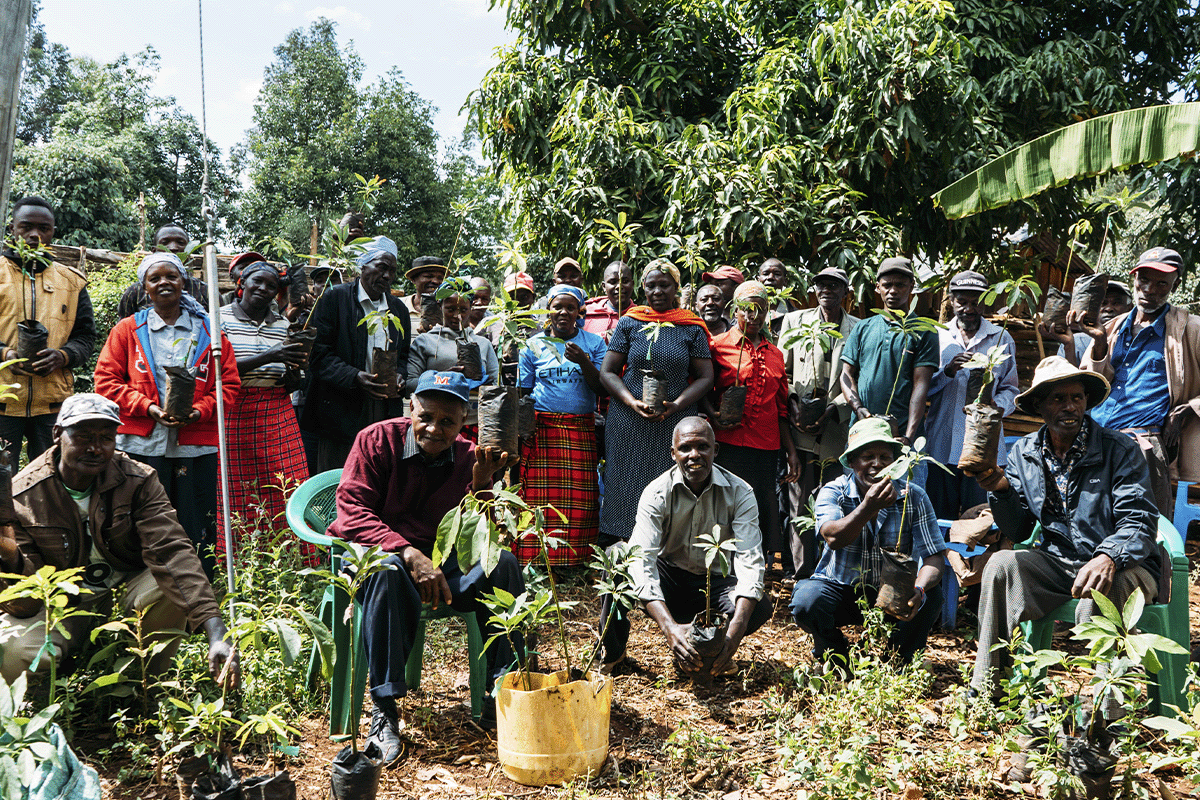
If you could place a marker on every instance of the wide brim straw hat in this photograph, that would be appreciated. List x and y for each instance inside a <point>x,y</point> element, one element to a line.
<point>1055,370</point>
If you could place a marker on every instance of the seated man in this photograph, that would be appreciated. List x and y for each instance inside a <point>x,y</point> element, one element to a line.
<point>400,479</point>
<point>131,536</point>
<point>1089,487</point>
<point>857,514</point>
<point>669,571</point>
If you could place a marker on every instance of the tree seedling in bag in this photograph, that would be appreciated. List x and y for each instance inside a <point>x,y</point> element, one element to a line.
<point>813,336</point>
<point>654,383</point>
<point>981,440</point>
<point>707,631</point>
<point>910,326</point>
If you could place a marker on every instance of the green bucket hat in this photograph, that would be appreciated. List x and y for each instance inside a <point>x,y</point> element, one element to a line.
<point>871,430</point>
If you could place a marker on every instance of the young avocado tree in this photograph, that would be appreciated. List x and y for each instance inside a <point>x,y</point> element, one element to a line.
<point>654,383</point>
<point>981,439</point>
<point>707,632</point>
<point>812,336</point>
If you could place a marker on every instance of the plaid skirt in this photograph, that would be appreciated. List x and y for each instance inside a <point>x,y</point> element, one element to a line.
<point>266,463</point>
<point>559,469</point>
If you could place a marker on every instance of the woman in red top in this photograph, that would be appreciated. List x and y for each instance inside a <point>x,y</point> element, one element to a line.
<point>750,448</point>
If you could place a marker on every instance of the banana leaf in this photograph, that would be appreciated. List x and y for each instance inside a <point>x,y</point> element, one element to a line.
<point>1088,148</point>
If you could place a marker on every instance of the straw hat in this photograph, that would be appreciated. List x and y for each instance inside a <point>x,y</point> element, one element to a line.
<point>1055,370</point>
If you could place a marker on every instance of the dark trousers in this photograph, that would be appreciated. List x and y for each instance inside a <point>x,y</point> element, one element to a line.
<point>953,494</point>
<point>814,473</point>
<point>392,608</point>
<point>191,483</point>
<point>822,607</point>
<point>683,592</point>
<point>34,431</point>
<point>309,440</point>
<point>758,468</point>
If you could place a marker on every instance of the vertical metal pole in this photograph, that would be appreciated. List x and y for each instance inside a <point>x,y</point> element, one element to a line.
<point>14,21</point>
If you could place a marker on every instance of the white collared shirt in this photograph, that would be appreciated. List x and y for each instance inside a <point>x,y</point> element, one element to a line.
<point>379,336</point>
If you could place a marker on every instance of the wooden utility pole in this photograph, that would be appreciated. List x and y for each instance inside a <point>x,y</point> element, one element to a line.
<point>14,19</point>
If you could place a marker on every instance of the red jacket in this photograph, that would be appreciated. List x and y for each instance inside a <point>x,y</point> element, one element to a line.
<point>124,375</point>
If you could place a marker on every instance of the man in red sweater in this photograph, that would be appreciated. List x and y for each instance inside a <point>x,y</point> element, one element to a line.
<point>400,479</point>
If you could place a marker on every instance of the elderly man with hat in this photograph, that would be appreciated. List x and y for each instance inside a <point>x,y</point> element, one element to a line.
<point>344,394</point>
<point>83,503</point>
<point>1151,357</point>
<point>401,478</point>
<point>859,515</point>
<point>964,336</point>
<point>426,275</point>
<point>888,371</point>
<point>1089,488</point>
<point>726,278</point>
<point>814,368</point>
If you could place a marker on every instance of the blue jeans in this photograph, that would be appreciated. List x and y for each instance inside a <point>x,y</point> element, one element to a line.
<point>822,607</point>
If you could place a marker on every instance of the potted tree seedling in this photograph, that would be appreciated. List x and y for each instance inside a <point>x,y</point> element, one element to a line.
<point>32,336</point>
<point>981,440</point>
<point>898,574</point>
<point>707,632</point>
<point>654,382</point>
<point>811,335</point>
<point>383,360</point>
<point>469,356</point>
<point>908,325</point>
<point>733,399</point>
<point>501,421</point>
<point>1058,299</point>
<point>181,384</point>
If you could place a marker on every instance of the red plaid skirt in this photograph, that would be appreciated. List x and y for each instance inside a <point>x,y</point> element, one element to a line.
<point>559,469</point>
<point>266,462</point>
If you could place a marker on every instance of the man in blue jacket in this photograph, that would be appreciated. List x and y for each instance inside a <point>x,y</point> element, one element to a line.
<point>1089,487</point>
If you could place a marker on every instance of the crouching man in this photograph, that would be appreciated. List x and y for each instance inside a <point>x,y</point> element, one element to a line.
<point>1089,487</point>
<point>669,571</point>
<point>402,476</point>
<point>82,504</point>
<point>857,515</point>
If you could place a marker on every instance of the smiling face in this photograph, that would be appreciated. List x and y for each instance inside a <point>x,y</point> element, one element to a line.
<point>1062,409</point>
<point>377,275</point>
<point>437,418</point>
<point>428,280</point>
<point>455,309</point>
<point>830,294</point>
<point>34,225</point>
<point>868,462</point>
<point>694,447</point>
<point>710,303</point>
<point>660,291</point>
<point>1153,288</point>
<point>164,286</point>
<point>84,450</point>
<point>564,316</point>
<point>896,290</point>
<point>480,300</point>
<point>772,273</point>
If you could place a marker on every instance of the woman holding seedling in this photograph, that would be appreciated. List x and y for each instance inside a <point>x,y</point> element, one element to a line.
<point>561,366</point>
<point>162,423</point>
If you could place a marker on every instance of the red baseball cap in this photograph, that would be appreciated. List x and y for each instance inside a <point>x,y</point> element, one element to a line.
<point>723,272</point>
<point>518,280</point>
<point>245,260</point>
<point>1160,259</point>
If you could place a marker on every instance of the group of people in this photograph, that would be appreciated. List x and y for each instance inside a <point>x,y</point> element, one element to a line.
<point>655,425</point>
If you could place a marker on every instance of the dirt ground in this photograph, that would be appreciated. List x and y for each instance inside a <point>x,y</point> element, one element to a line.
<point>448,756</point>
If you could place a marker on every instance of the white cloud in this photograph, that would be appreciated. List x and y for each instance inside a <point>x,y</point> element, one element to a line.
<point>284,7</point>
<point>248,90</point>
<point>340,14</point>
<point>470,8</point>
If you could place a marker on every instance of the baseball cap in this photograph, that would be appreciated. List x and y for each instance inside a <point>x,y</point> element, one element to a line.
<point>1161,259</point>
<point>833,273</point>
<point>446,382</point>
<point>518,280</point>
<point>87,406</point>
<point>1121,288</point>
<point>968,281</point>
<point>563,262</point>
<point>723,272</point>
<point>245,259</point>
<point>895,264</point>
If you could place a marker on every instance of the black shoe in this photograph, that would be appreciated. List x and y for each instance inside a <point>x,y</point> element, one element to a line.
<point>385,732</point>
<point>487,717</point>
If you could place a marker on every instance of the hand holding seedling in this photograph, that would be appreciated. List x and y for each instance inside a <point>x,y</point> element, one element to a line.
<point>488,460</point>
<point>914,603</point>
<point>159,416</point>
<point>48,361</point>
<point>957,363</point>
<point>992,480</point>
<point>1075,321</point>
<point>371,386</point>
<point>10,552</point>
<point>881,495</point>
<point>430,581</point>
<point>289,353</point>
<point>223,663</point>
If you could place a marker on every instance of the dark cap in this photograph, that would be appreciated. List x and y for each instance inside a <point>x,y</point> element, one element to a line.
<point>895,264</point>
<point>1161,259</point>
<point>968,281</point>
<point>1119,287</point>
<point>833,273</point>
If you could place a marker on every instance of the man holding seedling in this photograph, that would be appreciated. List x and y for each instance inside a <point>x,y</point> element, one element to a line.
<point>1073,343</point>
<point>1089,488</point>
<point>402,477</point>
<point>1151,356</point>
<point>859,515</point>
<point>957,383</point>
<point>84,504</point>
<point>688,503</point>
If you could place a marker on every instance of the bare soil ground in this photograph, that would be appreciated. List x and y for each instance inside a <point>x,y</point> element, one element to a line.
<point>448,756</point>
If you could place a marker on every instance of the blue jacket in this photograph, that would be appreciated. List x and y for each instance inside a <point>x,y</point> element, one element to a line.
<point>1112,505</point>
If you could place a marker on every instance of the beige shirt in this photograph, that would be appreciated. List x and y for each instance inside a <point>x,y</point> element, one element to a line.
<point>670,518</point>
<point>808,370</point>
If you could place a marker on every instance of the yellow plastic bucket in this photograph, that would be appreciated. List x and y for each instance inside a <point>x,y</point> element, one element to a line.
<point>549,731</point>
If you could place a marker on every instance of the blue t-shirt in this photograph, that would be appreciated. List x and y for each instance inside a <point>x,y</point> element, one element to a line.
<point>558,386</point>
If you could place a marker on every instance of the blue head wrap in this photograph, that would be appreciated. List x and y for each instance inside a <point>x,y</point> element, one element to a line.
<point>186,301</point>
<point>375,248</point>
<point>566,288</point>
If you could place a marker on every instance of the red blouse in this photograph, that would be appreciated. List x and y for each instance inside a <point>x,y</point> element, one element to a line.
<point>763,373</point>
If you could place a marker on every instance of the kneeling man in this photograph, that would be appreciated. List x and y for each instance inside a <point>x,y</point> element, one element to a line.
<point>669,571</point>
<point>401,477</point>
<point>82,504</point>
<point>857,515</point>
<point>1089,487</point>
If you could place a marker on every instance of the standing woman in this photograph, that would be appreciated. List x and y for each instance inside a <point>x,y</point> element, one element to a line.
<point>559,464</point>
<point>750,448</point>
<point>131,371</point>
<point>436,350</point>
<point>266,452</point>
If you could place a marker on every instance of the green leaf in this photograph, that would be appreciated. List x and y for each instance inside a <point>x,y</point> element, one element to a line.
<point>447,535</point>
<point>289,642</point>
<point>1106,607</point>
<point>1133,609</point>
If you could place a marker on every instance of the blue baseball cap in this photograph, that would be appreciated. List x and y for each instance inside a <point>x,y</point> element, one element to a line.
<point>447,383</point>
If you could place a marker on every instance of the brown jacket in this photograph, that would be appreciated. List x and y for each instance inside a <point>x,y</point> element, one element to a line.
<point>133,525</point>
<point>1182,354</point>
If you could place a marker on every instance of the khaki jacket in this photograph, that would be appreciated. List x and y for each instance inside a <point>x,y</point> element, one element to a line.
<point>1182,355</point>
<point>807,371</point>
<point>52,298</point>
<point>133,525</point>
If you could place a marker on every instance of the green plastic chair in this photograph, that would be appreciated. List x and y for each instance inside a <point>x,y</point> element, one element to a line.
<point>1169,620</point>
<point>310,510</point>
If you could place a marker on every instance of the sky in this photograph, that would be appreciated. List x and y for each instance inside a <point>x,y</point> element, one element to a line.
<point>442,47</point>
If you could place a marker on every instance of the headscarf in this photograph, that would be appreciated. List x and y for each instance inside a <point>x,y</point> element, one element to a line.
<point>566,288</point>
<point>375,248</point>
<point>186,301</point>
<point>664,266</point>
<point>676,316</point>
<point>750,290</point>
<point>262,266</point>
